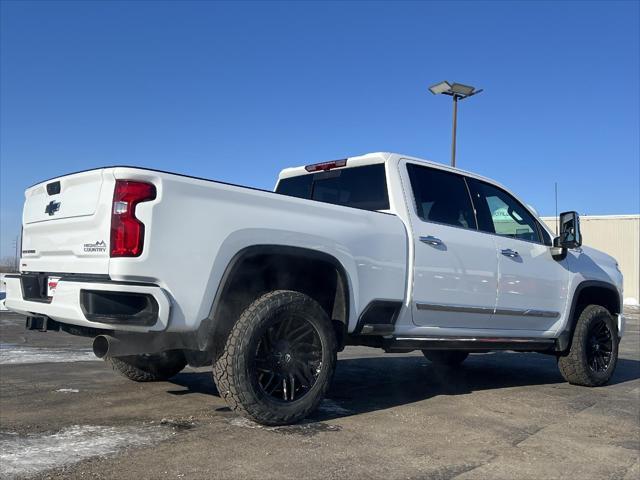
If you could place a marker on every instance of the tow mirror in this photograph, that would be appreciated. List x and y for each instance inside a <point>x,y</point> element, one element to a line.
<point>570,235</point>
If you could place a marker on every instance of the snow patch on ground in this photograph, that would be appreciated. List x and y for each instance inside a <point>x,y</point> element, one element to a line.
<point>306,428</point>
<point>18,354</point>
<point>246,423</point>
<point>9,319</point>
<point>22,455</point>
<point>68,390</point>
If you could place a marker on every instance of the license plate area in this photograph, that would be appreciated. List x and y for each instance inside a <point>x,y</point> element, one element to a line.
<point>34,287</point>
<point>52,283</point>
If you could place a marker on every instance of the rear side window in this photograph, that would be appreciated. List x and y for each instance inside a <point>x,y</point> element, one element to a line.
<point>358,187</point>
<point>296,186</point>
<point>500,213</point>
<point>441,197</point>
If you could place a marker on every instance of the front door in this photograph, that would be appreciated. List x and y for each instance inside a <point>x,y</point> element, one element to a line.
<point>532,286</point>
<point>455,267</point>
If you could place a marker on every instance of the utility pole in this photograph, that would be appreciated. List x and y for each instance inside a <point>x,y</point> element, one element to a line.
<point>453,134</point>
<point>16,258</point>
<point>557,220</point>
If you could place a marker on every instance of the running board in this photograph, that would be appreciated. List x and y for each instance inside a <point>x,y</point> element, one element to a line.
<point>472,344</point>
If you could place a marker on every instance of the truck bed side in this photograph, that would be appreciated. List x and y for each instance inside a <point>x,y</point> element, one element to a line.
<point>194,227</point>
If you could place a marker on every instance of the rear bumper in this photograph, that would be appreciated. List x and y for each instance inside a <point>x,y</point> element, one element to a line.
<point>97,305</point>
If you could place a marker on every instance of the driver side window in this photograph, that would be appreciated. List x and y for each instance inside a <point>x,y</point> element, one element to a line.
<point>500,213</point>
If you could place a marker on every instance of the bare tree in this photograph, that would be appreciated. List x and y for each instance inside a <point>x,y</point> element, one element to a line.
<point>8,264</point>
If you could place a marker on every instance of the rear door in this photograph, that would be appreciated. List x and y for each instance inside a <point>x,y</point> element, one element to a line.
<point>66,224</point>
<point>455,266</point>
<point>532,286</point>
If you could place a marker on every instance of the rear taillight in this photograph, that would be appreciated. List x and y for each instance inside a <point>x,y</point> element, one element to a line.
<point>127,232</point>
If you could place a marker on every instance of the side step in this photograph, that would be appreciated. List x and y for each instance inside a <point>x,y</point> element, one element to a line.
<point>471,344</point>
<point>377,329</point>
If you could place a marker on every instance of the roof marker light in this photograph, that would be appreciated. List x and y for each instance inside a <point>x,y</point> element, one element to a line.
<point>317,167</point>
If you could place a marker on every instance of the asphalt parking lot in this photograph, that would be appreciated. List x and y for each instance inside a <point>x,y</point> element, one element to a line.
<point>65,414</point>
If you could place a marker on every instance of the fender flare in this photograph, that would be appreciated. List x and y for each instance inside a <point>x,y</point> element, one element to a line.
<point>209,324</point>
<point>563,341</point>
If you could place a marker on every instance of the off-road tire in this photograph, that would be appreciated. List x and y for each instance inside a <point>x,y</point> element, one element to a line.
<point>149,367</point>
<point>237,384</point>
<point>573,364</point>
<point>447,358</point>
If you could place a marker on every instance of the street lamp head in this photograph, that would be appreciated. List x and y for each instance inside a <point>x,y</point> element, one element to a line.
<point>456,90</point>
<point>460,89</point>
<point>442,87</point>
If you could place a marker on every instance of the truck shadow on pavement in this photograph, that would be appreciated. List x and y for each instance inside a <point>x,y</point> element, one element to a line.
<point>368,384</point>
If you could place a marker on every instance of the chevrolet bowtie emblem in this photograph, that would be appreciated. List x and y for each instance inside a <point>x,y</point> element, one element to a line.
<point>52,208</point>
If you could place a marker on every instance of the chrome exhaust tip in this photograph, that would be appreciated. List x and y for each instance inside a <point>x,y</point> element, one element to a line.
<point>101,346</point>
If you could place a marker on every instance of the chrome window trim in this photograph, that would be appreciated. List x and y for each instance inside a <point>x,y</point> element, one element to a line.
<point>513,238</point>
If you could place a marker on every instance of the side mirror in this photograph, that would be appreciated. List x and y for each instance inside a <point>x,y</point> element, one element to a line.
<point>570,235</point>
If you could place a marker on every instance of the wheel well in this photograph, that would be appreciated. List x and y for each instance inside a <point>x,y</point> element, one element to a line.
<point>597,295</point>
<point>588,293</point>
<point>260,270</point>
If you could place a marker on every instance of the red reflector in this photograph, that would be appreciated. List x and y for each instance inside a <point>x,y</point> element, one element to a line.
<point>316,167</point>
<point>127,232</point>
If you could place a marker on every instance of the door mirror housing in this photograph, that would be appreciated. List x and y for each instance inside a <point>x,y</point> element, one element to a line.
<point>570,235</point>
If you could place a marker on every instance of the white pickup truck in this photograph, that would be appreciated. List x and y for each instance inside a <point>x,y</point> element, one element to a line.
<point>382,250</point>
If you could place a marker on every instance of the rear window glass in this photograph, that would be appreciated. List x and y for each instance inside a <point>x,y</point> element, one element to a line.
<point>296,186</point>
<point>358,187</point>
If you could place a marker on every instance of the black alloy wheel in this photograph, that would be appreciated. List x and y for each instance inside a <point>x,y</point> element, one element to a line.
<point>599,346</point>
<point>288,358</point>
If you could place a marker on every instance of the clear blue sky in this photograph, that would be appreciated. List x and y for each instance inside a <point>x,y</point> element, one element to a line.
<point>237,91</point>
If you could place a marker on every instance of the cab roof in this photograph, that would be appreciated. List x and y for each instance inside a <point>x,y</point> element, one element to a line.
<point>381,157</point>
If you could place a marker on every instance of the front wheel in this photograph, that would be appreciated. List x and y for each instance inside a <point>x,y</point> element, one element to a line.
<point>593,355</point>
<point>279,359</point>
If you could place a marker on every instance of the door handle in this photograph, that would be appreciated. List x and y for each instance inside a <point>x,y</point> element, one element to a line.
<point>430,240</point>
<point>507,252</point>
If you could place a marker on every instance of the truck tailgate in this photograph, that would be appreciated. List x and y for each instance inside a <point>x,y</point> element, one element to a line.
<point>66,224</point>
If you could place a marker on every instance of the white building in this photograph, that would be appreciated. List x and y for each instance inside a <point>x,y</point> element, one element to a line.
<point>619,236</point>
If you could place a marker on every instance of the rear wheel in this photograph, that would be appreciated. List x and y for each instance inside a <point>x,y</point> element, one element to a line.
<point>593,355</point>
<point>448,358</point>
<point>279,359</point>
<point>150,367</point>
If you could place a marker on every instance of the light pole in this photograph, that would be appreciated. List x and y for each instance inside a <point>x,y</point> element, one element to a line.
<point>457,91</point>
